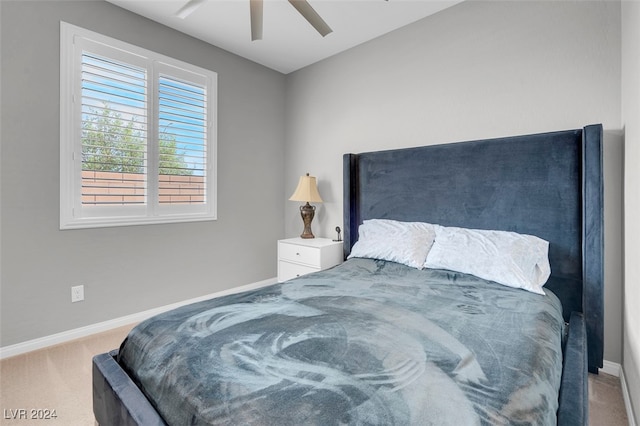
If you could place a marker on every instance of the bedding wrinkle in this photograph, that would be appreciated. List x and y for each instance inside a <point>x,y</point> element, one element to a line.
<point>214,320</point>
<point>387,345</point>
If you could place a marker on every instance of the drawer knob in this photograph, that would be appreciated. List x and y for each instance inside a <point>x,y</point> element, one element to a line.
<point>297,254</point>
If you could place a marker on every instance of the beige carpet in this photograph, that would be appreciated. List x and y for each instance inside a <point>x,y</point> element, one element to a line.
<point>59,378</point>
<point>606,404</point>
<point>56,378</point>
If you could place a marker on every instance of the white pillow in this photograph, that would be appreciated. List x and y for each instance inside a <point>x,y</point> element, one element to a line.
<point>402,242</point>
<point>508,258</point>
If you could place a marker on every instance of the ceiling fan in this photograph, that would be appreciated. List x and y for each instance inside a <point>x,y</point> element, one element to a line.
<point>255,9</point>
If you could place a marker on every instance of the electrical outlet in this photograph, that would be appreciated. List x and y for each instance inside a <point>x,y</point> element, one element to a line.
<point>77,293</point>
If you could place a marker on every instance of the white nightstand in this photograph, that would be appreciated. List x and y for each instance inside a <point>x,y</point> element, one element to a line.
<point>300,256</point>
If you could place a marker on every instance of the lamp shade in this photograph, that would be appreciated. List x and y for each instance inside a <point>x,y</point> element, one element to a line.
<point>307,190</point>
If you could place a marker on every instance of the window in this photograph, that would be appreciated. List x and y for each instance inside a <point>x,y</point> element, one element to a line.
<point>137,135</point>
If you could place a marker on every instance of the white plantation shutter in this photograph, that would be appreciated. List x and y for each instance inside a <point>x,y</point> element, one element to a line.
<point>114,132</point>
<point>182,122</point>
<point>137,144</point>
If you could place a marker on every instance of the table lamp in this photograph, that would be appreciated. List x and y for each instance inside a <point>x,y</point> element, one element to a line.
<point>307,191</point>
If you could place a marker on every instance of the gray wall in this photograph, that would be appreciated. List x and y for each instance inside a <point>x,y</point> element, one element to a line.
<point>126,270</point>
<point>476,70</point>
<point>631,123</point>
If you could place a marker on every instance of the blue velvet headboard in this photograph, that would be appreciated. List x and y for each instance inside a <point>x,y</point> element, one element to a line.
<point>548,185</point>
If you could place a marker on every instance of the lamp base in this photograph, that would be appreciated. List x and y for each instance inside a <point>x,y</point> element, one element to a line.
<point>307,212</point>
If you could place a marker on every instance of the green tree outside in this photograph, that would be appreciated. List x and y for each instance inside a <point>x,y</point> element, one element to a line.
<point>113,144</point>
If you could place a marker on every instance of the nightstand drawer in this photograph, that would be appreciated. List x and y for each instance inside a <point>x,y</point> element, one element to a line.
<point>300,254</point>
<point>288,271</point>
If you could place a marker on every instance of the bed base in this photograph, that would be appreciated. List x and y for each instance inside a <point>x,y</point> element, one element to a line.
<point>118,401</point>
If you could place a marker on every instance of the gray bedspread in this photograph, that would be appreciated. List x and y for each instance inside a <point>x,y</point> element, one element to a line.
<point>366,343</point>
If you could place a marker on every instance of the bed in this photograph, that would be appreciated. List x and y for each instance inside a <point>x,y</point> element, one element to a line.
<point>386,340</point>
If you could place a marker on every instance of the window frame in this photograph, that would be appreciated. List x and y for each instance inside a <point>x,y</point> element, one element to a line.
<point>73,215</point>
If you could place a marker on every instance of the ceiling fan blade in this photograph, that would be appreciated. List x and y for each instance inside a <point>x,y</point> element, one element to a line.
<point>311,16</point>
<point>188,8</point>
<point>255,8</point>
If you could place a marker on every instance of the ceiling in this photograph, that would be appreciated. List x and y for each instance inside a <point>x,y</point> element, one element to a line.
<point>289,42</point>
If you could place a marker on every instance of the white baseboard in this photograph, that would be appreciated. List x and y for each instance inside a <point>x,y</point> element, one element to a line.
<point>615,369</point>
<point>627,399</point>
<point>65,336</point>
<point>611,368</point>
